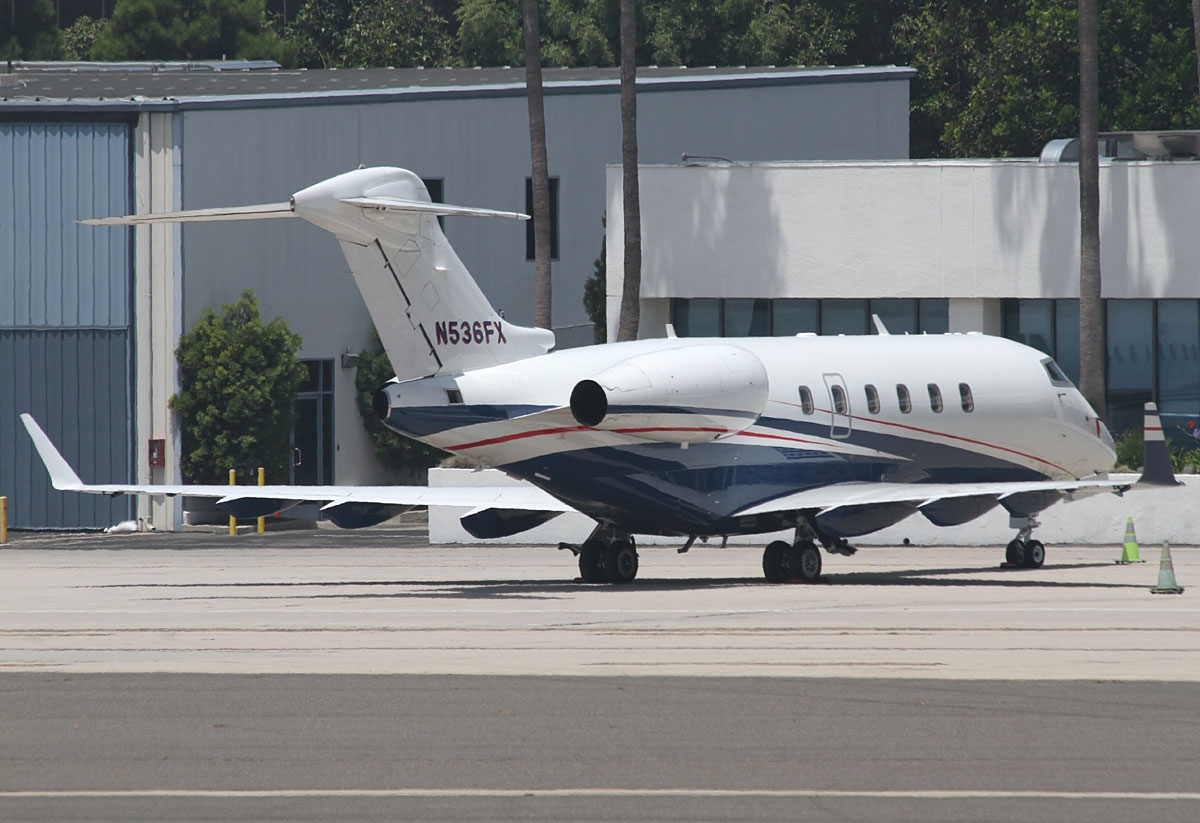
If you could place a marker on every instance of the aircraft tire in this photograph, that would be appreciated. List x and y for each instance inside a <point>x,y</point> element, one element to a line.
<point>1035,554</point>
<point>1014,554</point>
<point>591,562</point>
<point>775,562</point>
<point>804,562</point>
<point>621,562</point>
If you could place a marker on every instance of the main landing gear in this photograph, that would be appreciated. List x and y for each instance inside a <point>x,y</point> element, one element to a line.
<point>1024,551</point>
<point>800,561</point>
<point>607,556</point>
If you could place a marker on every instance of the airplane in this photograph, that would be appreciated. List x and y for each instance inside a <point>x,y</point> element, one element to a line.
<point>828,437</point>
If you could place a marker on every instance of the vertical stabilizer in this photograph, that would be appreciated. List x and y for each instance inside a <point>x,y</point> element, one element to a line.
<point>430,314</point>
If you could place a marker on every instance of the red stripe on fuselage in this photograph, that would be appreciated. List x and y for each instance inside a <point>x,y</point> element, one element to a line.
<point>568,429</point>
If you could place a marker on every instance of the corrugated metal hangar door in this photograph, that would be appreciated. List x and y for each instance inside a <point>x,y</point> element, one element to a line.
<point>66,353</point>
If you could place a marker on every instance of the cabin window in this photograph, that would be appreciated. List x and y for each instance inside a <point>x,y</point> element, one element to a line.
<point>935,397</point>
<point>904,398</point>
<point>872,399</point>
<point>964,394</point>
<point>454,397</point>
<point>806,401</point>
<point>839,400</point>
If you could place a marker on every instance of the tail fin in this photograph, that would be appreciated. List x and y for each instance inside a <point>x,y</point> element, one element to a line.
<point>1156,460</point>
<point>430,314</point>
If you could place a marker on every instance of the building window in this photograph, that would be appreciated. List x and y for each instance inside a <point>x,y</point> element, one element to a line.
<point>872,399</point>
<point>436,186</point>
<point>806,400</point>
<point>754,317</point>
<point>745,317</point>
<point>312,432</point>
<point>964,395</point>
<point>700,317</point>
<point>903,398</point>
<point>529,247</point>
<point>935,398</point>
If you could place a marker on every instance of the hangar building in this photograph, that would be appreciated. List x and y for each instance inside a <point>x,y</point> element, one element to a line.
<point>89,318</point>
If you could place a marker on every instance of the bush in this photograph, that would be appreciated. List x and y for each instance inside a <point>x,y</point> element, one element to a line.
<point>395,452</point>
<point>236,406</point>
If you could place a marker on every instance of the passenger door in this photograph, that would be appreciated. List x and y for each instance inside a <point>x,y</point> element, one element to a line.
<point>839,406</point>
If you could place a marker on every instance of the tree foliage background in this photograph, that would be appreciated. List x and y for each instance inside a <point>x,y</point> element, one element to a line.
<point>239,379</point>
<point>395,452</point>
<point>993,79</point>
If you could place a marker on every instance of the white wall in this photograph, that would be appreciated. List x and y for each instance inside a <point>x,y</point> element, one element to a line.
<point>958,229</point>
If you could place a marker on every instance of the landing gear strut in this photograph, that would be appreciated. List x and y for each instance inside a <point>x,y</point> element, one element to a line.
<point>607,556</point>
<point>1024,551</point>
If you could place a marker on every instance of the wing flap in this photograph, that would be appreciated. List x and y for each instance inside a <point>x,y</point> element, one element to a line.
<point>826,498</point>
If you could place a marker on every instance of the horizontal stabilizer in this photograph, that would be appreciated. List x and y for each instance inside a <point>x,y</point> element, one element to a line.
<point>422,207</point>
<point>266,211</point>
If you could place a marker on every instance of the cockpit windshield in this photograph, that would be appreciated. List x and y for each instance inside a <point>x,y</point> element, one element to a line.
<point>1055,373</point>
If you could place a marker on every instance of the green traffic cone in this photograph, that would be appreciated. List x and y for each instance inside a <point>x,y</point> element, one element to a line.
<point>1129,551</point>
<point>1166,574</point>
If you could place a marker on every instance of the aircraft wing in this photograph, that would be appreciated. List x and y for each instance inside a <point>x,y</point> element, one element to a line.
<point>828,498</point>
<point>260,500</point>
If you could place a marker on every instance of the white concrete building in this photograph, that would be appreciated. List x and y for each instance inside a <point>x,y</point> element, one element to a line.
<point>929,245</point>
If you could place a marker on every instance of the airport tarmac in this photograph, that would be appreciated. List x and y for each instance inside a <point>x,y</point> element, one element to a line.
<point>384,602</point>
<point>367,675</point>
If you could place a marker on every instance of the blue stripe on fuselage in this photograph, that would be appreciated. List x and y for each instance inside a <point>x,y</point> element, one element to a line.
<point>425,421</point>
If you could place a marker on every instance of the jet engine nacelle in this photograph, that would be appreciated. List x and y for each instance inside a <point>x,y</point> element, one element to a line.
<point>681,395</point>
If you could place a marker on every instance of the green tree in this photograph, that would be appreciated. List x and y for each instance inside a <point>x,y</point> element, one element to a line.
<point>595,293</point>
<point>490,33</point>
<point>371,33</point>
<point>80,36</point>
<point>28,30</point>
<point>239,378</point>
<point>187,30</point>
<point>394,451</point>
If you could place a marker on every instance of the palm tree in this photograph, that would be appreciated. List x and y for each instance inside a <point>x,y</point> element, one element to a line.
<point>627,328</point>
<point>1091,309</point>
<point>540,176</point>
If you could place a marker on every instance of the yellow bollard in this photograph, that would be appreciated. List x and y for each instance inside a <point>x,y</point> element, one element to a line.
<point>3,519</point>
<point>262,481</point>
<point>232,519</point>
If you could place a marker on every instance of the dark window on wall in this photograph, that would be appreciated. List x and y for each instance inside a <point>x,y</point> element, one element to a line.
<point>744,317</point>
<point>698,317</point>
<point>437,193</point>
<point>897,316</point>
<point>529,252</point>
<point>1178,330</point>
<point>844,317</point>
<point>1131,344</point>
<point>793,316</point>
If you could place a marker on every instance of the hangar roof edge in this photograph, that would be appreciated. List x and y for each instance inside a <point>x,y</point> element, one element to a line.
<point>157,88</point>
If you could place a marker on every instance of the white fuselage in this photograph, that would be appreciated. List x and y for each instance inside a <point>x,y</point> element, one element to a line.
<point>1003,416</point>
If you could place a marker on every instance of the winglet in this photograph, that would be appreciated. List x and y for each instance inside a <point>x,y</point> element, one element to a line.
<point>1156,460</point>
<point>62,476</point>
